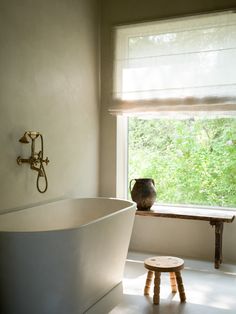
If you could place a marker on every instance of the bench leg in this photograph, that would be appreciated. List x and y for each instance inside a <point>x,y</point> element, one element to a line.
<point>157,281</point>
<point>148,282</point>
<point>218,242</point>
<point>173,282</point>
<point>180,286</point>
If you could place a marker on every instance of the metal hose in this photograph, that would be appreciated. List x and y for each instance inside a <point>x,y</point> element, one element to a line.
<point>41,172</point>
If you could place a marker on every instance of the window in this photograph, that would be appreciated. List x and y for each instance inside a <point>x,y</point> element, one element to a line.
<point>192,161</point>
<point>174,81</point>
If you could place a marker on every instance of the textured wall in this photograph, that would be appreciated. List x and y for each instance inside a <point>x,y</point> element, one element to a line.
<point>186,238</point>
<point>49,83</point>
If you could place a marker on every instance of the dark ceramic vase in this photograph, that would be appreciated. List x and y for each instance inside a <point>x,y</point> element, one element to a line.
<point>143,193</point>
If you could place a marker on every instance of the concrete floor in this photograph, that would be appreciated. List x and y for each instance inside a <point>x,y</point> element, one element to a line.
<point>208,291</point>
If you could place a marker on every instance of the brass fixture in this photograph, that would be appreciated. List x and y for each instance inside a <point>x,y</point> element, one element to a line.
<point>24,139</point>
<point>36,159</point>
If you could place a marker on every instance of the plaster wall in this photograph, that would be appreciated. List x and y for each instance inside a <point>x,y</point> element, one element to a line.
<point>163,236</point>
<point>49,83</point>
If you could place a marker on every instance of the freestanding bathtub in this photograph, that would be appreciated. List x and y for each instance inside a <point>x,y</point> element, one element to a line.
<point>62,257</point>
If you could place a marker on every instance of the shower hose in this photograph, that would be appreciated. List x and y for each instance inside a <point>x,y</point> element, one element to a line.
<point>41,172</point>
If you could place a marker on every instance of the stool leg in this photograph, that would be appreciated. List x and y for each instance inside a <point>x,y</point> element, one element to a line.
<point>180,286</point>
<point>157,281</point>
<point>173,282</point>
<point>148,282</point>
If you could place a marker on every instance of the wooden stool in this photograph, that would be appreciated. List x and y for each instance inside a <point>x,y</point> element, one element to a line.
<point>159,264</point>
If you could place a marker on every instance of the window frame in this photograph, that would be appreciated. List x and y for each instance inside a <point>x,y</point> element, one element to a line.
<point>122,157</point>
<point>122,169</point>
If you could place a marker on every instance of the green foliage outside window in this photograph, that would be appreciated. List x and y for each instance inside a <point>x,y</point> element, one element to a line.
<point>192,161</point>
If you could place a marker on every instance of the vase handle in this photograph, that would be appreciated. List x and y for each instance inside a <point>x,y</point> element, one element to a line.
<point>130,183</point>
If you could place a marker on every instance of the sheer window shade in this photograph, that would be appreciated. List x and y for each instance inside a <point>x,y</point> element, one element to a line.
<point>186,64</point>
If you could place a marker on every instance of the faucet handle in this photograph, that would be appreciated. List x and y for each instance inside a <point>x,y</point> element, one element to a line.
<point>18,160</point>
<point>46,160</point>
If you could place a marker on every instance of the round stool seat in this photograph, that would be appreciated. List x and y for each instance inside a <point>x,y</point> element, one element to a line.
<point>164,263</point>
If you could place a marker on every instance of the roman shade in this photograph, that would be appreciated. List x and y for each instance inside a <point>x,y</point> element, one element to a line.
<point>177,65</point>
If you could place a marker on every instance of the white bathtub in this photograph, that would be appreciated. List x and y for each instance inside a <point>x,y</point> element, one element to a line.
<point>60,258</point>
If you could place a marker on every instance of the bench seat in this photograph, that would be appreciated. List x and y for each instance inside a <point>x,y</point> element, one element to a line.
<point>216,217</point>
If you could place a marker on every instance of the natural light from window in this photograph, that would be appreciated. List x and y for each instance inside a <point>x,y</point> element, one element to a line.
<point>192,161</point>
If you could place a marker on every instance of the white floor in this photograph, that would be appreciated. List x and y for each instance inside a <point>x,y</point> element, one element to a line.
<point>207,290</point>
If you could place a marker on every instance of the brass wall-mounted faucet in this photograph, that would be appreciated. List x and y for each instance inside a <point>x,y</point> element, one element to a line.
<point>36,159</point>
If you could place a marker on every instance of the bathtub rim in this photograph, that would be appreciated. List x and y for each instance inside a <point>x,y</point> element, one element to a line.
<point>23,232</point>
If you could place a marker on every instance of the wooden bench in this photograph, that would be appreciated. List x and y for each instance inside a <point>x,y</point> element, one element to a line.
<point>214,216</point>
